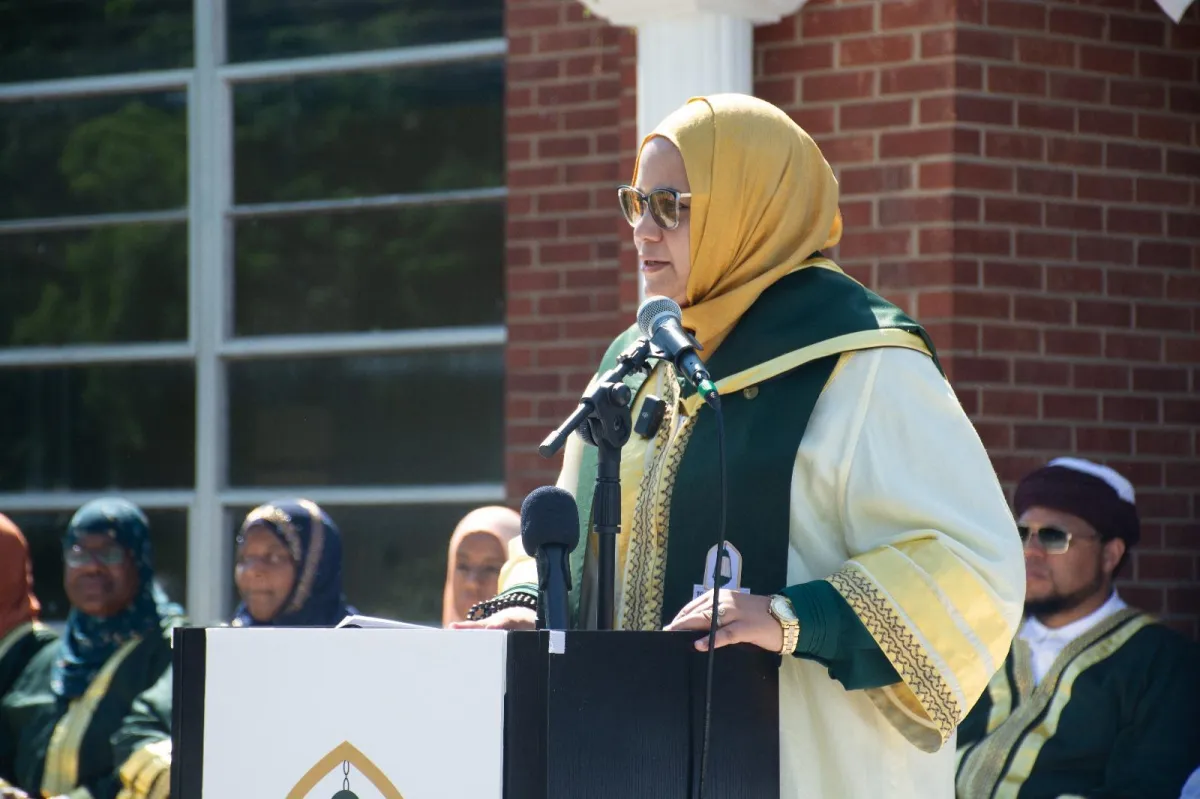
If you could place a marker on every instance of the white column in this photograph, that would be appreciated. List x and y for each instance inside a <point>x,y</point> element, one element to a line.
<point>671,69</point>
<point>690,47</point>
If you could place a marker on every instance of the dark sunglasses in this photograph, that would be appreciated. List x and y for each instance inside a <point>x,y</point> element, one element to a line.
<point>1052,539</point>
<point>663,204</point>
<point>77,557</point>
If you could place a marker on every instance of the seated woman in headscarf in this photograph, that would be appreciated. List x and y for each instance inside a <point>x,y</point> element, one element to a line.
<point>90,717</point>
<point>478,550</point>
<point>289,567</point>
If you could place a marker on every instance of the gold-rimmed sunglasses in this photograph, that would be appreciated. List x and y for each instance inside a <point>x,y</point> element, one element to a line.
<point>1054,540</point>
<point>664,205</point>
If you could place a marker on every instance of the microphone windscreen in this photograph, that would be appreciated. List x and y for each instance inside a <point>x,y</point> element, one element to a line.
<point>651,312</point>
<point>549,515</point>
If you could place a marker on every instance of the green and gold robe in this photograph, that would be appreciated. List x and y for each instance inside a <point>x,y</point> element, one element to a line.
<point>113,741</point>
<point>857,487</point>
<point>17,648</point>
<point>1117,715</point>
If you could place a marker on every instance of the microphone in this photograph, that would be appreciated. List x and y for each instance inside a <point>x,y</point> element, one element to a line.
<point>549,532</point>
<point>661,321</point>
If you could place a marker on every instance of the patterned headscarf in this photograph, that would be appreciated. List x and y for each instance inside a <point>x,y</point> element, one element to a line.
<point>90,641</point>
<point>315,544</point>
<point>17,601</point>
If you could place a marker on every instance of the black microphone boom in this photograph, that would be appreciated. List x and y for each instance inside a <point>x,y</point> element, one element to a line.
<point>661,321</point>
<point>549,533</point>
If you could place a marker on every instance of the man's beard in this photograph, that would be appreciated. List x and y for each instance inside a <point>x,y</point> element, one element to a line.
<point>1061,603</point>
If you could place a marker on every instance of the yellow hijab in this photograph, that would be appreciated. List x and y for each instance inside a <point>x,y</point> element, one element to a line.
<point>763,200</point>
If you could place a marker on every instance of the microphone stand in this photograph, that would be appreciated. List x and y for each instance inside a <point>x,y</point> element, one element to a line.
<point>604,418</point>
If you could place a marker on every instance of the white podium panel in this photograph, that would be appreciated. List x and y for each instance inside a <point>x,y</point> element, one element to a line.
<point>295,713</point>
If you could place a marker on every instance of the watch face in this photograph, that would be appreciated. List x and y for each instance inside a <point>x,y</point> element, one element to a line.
<point>783,608</point>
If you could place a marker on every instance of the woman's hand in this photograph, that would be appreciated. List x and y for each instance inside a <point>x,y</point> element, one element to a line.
<point>741,619</point>
<point>507,619</point>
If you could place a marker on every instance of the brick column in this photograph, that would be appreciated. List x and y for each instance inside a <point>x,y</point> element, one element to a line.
<point>564,119</point>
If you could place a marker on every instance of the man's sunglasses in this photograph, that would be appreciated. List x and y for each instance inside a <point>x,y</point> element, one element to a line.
<point>1054,540</point>
<point>77,557</point>
<point>663,204</point>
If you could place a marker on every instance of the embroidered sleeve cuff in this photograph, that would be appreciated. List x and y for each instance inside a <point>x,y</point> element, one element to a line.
<point>833,635</point>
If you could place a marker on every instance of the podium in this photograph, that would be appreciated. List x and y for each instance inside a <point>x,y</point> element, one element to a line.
<point>414,714</point>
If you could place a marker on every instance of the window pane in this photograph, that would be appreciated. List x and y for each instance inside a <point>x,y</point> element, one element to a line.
<point>95,155</point>
<point>72,38</point>
<point>430,266</point>
<point>89,428</point>
<point>101,286</point>
<point>364,134</point>
<point>262,29</point>
<point>394,557</point>
<point>413,418</point>
<point>44,530</point>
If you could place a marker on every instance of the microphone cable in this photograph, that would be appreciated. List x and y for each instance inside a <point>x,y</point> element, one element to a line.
<point>718,582</point>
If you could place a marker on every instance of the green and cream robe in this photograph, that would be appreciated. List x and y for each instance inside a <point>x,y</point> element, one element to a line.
<point>859,488</point>
<point>17,648</point>
<point>113,742</point>
<point>1117,715</point>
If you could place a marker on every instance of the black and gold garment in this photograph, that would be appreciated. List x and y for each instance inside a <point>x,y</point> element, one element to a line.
<point>1117,715</point>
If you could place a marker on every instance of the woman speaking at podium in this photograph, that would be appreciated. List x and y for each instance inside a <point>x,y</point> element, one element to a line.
<point>869,537</point>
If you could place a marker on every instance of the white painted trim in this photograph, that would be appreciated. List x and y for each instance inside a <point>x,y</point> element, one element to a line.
<point>465,494</point>
<point>424,340</point>
<point>88,354</point>
<point>88,222</point>
<point>350,204</point>
<point>53,501</point>
<point>371,60</point>
<point>165,80</point>
<point>638,12</point>
<point>210,171</point>
<point>181,499</point>
<point>1175,9</point>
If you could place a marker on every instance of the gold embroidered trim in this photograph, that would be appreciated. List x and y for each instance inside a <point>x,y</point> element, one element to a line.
<point>1002,699</point>
<point>61,772</point>
<point>985,765</point>
<point>1021,763</point>
<point>897,641</point>
<point>316,547</point>
<point>1022,669</point>
<point>643,605</point>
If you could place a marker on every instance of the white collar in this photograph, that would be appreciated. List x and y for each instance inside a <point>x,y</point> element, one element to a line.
<point>1034,631</point>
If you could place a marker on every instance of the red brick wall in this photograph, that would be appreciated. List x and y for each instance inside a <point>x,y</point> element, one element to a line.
<point>566,109</point>
<point>1023,176</point>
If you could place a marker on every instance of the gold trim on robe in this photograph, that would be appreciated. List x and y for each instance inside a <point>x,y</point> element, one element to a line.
<point>9,641</point>
<point>851,342</point>
<point>940,626</point>
<point>61,772</point>
<point>987,768</point>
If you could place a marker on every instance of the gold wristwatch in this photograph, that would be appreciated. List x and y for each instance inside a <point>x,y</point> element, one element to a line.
<point>783,612</point>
